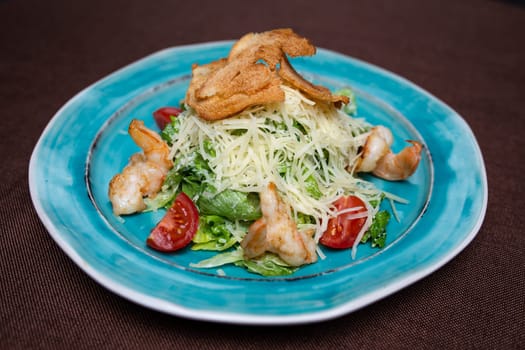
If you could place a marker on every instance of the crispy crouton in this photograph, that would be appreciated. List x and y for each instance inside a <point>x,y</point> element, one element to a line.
<point>252,74</point>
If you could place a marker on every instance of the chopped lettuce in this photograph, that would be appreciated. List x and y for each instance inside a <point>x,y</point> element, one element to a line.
<point>214,233</point>
<point>186,178</point>
<point>233,205</point>
<point>312,187</point>
<point>377,231</point>
<point>267,264</point>
<point>170,130</point>
<point>167,193</point>
<point>208,148</point>
<point>221,259</point>
<point>303,219</point>
<point>300,127</point>
<point>351,107</point>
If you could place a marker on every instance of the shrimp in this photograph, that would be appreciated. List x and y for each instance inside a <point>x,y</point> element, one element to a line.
<point>378,158</point>
<point>145,173</point>
<point>399,166</point>
<point>276,232</point>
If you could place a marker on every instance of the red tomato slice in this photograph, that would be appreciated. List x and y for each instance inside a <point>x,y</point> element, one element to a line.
<point>342,232</point>
<point>163,116</point>
<point>177,227</point>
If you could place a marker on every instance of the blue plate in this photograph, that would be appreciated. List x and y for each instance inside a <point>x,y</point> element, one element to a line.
<point>86,143</point>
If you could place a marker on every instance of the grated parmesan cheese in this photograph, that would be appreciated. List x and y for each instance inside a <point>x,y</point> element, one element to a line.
<point>288,143</point>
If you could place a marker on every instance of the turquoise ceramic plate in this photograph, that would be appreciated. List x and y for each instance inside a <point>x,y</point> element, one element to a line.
<point>86,143</point>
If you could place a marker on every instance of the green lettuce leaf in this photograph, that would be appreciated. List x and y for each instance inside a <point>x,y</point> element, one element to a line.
<point>170,130</point>
<point>214,233</point>
<point>188,179</point>
<point>233,205</point>
<point>312,187</point>
<point>268,264</point>
<point>220,259</point>
<point>351,107</point>
<point>376,234</point>
<point>167,193</point>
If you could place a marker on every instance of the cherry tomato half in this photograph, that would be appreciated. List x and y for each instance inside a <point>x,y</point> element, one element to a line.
<point>163,116</point>
<point>177,227</point>
<point>342,231</point>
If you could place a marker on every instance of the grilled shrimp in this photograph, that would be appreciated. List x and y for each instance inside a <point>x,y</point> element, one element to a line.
<point>378,158</point>
<point>276,232</point>
<point>145,173</point>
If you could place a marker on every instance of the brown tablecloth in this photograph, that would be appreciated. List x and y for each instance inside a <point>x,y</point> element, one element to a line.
<point>471,54</point>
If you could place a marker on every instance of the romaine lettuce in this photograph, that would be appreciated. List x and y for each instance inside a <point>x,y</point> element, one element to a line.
<point>377,231</point>
<point>214,233</point>
<point>233,205</point>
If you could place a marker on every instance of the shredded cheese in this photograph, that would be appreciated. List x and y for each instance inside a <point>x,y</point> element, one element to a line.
<point>293,144</point>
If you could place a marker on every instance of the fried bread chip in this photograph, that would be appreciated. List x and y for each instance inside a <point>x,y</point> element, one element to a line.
<point>252,74</point>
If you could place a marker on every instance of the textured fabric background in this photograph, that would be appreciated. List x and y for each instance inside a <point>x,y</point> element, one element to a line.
<point>470,53</point>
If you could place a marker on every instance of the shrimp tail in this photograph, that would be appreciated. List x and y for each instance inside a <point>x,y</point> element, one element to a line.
<point>400,166</point>
<point>378,158</point>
